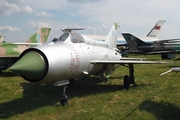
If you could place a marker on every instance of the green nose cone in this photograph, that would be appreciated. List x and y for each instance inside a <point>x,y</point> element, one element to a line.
<point>31,65</point>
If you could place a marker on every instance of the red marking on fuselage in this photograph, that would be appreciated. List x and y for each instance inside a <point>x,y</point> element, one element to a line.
<point>75,61</point>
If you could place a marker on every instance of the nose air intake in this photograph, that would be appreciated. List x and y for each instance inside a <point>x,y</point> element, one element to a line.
<point>32,66</point>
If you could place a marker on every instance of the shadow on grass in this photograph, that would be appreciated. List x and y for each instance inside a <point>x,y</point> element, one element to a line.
<point>176,59</point>
<point>8,74</point>
<point>162,111</point>
<point>36,96</point>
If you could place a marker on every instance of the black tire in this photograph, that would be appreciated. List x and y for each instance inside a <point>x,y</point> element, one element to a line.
<point>126,82</point>
<point>63,101</point>
<point>164,56</point>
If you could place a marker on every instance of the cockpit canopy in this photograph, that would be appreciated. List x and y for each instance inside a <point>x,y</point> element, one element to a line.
<point>74,37</point>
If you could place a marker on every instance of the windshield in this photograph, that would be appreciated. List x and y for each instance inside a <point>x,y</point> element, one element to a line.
<point>76,38</point>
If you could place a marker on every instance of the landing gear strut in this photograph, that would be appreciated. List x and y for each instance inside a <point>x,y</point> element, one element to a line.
<point>129,79</point>
<point>64,99</point>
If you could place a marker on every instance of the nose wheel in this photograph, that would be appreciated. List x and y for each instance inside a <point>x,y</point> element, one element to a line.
<point>64,99</point>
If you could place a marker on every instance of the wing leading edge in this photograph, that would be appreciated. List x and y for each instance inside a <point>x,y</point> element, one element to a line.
<point>125,62</point>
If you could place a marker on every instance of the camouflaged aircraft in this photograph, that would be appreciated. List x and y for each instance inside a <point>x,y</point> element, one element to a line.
<point>74,56</point>
<point>9,52</point>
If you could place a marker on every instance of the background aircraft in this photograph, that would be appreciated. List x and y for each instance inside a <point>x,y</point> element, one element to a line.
<point>9,52</point>
<point>175,69</point>
<point>167,48</point>
<point>2,38</point>
<point>150,37</point>
<point>74,56</point>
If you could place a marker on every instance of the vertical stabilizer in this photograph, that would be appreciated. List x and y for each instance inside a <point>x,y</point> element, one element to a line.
<point>133,42</point>
<point>2,38</point>
<point>156,29</point>
<point>39,36</point>
<point>111,39</point>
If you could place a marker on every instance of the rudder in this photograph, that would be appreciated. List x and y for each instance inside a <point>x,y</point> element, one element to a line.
<point>133,41</point>
<point>111,39</point>
<point>40,36</point>
<point>156,29</point>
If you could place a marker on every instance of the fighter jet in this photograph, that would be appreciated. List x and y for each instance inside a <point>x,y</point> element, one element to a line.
<point>74,56</point>
<point>167,48</point>
<point>9,52</point>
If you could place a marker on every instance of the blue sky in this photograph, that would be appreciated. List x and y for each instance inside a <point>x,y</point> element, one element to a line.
<point>19,19</point>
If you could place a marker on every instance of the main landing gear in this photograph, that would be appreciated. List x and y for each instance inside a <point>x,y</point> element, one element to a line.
<point>129,79</point>
<point>64,99</point>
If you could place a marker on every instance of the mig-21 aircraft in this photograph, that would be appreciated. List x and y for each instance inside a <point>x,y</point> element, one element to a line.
<point>74,56</point>
<point>9,52</point>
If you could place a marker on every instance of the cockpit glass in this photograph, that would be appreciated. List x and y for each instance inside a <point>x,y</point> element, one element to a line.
<point>61,38</point>
<point>76,38</point>
<point>64,37</point>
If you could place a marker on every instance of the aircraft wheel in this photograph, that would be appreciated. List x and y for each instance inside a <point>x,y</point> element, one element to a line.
<point>64,101</point>
<point>126,82</point>
<point>164,56</point>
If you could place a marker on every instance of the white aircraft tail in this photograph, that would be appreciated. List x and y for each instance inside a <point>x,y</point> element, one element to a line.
<point>111,39</point>
<point>156,29</point>
<point>2,38</point>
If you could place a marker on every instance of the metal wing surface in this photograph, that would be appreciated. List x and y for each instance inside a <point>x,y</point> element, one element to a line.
<point>125,62</point>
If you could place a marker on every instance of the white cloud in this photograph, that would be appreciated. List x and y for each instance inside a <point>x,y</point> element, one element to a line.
<point>44,14</point>
<point>9,29</point>
<point>37,25</point>
<point>7,8</point>
<point>47,4</point>
<point>26,10</point>
<point>85,1</point>
<point>15,1</point>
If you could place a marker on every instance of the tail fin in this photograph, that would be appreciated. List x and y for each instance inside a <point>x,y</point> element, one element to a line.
<point>2,38</point>
<point>133,41</point>
<point>39,36</point>
<point>111,39</point>
<point>156,29</point>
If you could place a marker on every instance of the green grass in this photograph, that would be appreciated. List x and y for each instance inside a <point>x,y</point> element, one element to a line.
<point>154,98</point>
